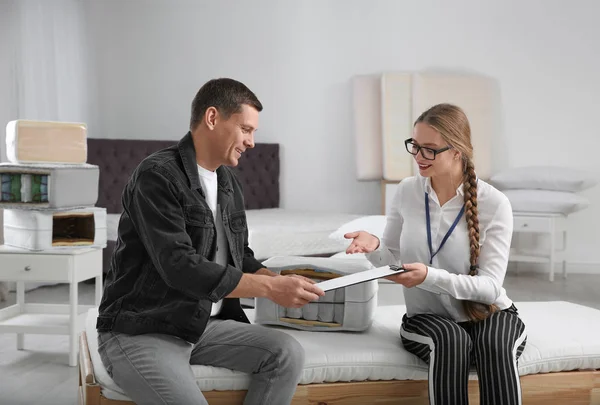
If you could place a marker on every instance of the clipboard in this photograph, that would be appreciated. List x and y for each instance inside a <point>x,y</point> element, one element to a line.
<point>360,277</point>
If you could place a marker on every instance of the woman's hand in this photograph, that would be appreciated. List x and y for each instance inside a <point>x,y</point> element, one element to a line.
<point>414,275</point>
<point>363,242</point>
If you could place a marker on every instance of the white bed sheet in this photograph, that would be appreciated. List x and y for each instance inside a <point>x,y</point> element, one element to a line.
<point>112,226</point>
<point>561,336</point>
<point>283,232</point>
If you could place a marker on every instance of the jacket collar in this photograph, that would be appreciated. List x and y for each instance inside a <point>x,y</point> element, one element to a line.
<point>187,151</point>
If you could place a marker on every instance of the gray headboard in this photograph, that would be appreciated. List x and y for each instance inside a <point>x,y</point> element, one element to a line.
<point>258,170</point>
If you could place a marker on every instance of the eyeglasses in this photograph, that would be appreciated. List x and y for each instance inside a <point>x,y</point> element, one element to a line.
<point>428,153</point>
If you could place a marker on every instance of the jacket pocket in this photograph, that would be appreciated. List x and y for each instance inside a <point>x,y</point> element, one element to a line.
<point>237,222</point>
<point>238,228</point>
<point>197,215</point>
<point>200,227</point>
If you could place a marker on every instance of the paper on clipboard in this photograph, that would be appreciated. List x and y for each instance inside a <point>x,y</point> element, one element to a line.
<point>360,277</point>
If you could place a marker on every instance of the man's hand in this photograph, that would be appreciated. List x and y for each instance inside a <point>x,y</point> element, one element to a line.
<point>301,277</point>
<point>293,291</point>
<point>266,272</point>
<point>414,275</point>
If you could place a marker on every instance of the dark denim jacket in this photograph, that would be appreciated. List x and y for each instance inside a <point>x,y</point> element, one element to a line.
<point>162,278</point>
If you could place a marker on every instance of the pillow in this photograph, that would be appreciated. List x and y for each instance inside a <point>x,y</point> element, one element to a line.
<point>374,224</point>
<point>546,201</point>
<point>544,178</point>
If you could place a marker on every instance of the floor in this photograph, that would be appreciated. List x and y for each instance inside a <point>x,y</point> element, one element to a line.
<point>39,374</point>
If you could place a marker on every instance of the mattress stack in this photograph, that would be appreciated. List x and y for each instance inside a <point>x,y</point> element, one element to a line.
<point>345,309</point>
<point>48,191</point>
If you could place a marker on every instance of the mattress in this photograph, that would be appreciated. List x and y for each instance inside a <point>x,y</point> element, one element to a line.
<point>282,232</point>
<point>55,229</point>
<point>44,141</point>
<point>343,309</point>
<point>41,186</point>
<point>561,337</point>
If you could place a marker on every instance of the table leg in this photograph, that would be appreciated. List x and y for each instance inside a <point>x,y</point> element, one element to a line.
<point>73,290</point>
<point>21,304</point>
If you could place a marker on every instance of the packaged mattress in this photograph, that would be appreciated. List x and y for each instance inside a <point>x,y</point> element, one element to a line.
<point>46,142</point>
<point>40,186</point>
<point>49,229</point>
<point>344,309</point>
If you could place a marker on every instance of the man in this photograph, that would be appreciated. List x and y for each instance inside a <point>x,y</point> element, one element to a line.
<point>182,262</point>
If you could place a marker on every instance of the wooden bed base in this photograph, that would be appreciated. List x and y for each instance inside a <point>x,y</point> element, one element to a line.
<point>573,388</point>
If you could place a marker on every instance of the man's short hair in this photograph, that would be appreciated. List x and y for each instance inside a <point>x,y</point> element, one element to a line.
<point>226,95</point>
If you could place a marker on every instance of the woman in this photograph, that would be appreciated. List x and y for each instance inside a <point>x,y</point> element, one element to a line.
<point>452,233</point>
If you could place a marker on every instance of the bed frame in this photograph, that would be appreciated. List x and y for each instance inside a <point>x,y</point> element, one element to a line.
<point>573,388</point>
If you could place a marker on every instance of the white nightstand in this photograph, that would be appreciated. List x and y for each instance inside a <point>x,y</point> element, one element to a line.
<point>61,266</point>
<point>541,223</point>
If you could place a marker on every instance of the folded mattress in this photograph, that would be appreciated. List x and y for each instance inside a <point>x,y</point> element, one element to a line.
<point>54,229</point>
<point>39,186</point>
<point>344,309</point>
<point>46,142</point>
<point>561,337</point>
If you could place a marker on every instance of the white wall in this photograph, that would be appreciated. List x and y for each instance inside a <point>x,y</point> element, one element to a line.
<point>43,70</point>
<point>7,106</point>
<point>299,58</point>
<point>8,11</point>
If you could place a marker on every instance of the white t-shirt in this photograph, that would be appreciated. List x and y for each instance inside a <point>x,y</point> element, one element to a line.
<point>208,180</point>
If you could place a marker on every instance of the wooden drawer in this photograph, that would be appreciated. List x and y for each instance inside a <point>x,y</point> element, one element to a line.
<point>532,224</point>
<point>35,267</point>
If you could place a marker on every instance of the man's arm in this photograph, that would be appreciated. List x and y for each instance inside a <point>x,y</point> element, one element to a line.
<point>249,263</point>
<point>158,218</point>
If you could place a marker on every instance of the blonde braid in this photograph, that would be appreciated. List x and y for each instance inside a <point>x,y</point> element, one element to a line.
<point>475,310</point>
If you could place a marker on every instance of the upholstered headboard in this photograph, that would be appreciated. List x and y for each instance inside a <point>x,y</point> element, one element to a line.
<point>258,170</point>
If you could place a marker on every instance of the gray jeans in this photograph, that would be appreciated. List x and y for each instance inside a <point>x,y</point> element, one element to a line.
<point>155,368</point>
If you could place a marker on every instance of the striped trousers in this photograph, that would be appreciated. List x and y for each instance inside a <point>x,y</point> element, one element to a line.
<point>493,346</point>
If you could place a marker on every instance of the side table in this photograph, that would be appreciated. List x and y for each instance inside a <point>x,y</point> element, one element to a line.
<point>541,223</point>
<point>61,266</point>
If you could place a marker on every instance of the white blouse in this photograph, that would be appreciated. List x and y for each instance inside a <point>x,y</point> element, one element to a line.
<point>448,281</point>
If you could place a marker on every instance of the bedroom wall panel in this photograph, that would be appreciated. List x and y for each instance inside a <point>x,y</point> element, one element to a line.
<point>396,115</point>
<point>385,107</point>
<point>366,106</point>
<point>476,95</point>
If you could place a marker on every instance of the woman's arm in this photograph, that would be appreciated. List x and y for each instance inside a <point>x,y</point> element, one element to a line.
<point>493,260</point>
<point>388,251</point>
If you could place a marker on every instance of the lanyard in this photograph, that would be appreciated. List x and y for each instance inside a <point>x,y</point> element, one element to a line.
<point>460,214</point>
